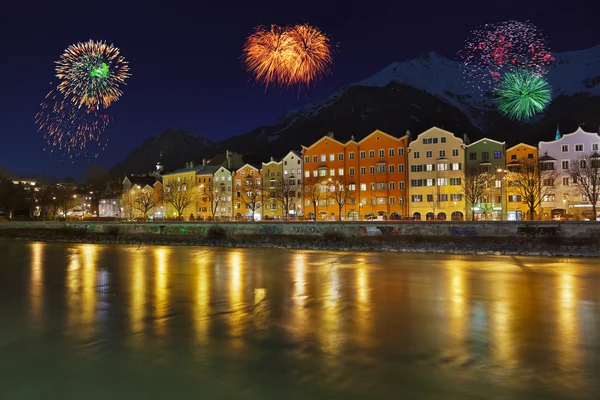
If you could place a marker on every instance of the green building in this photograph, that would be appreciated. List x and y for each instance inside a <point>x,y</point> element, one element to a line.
<point>488,158</point>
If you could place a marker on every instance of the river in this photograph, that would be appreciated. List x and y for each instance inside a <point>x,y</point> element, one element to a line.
<point>81,321</point>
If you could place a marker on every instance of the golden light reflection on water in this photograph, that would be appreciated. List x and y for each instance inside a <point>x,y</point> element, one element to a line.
<point>138,290</point>
<point>236,298</point>
<point>299,313</point>
<point>202,297</point>
<point>457,304</point>
<point>502,331</point>
<point>363,317</point>
<point>161,299</point>
<point>81,290</point>
<point>330,328</point>
<point>568,324</point>
<point>36,282</point>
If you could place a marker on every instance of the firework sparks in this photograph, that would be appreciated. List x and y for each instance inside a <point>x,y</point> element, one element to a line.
<point>496,49</point>
<point>521,94</point>
<point>296,55</point>
<point>91,73</point>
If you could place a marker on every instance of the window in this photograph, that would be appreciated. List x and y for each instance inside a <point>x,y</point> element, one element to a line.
<point>498,183</point>
<point>416,154</point>
<point>284,171</point>
<point>430,198</point>
<point>429,182</point>
<point>416,168</point>
<point>371,153</point>
<point>381,153</point>
<point>578,147</point>
<point>565,181</point>
<point>455,167</point>
<point>340,156</point>
<point>454,152</point>
<point>352,186</point>
<point>332,202</point>
<point>392,185</point>
<point>416,182</point>
<point>513,157</point>
<point>363,170</point>
<point>351,155</point>
<point>514,198</point>
<point>564,148</point>
<point>442,153</point>
<point>595,147</point>
<point>429,154</point>
<point>238,182</point>
<point>429,167</point>
<point>315,173</point>
<point>530,155</point>
<point>332,157</point>
<point>549,197</point>
<point>315,159</point>
<point>400,151</point>
<point>332,172</point>
<point>442,167</point>
<point>391,152</point>
<point>381,185</point>
<point>497,154</point>
<point>307,203</point>
<point>371,169</point>
<point>363,154</point>
<point>548,182</point>
<point>582,163</point>
<point>485,155</point>
<point>381,168</point>
<point>401,185</point>
<point>322,172</point>
<point>392,168</point>
<point>340,171</point>
<point>456,197</point>
<point>442,181</point>
<point>299,171</point>
<point>547,166</point>
<point>392,200</point>
<point>417,198</point>
<point>443,139</point>
<point>400,167</point>
<point>363,187</point>
<point>565,164</point>
<point>454,181</point>
<point>351,171</point>
<point>323,158</point>
<point>435,140</point>
<point>472,156</point>
<point>371,186</point>
<point>322,202</point>
<point>442,197</point>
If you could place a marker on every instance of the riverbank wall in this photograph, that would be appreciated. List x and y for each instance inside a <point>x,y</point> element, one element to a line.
<point>566,239</point>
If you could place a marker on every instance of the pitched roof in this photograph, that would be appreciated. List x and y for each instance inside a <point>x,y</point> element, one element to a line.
<point>546,157</point>
<point>143,180</point>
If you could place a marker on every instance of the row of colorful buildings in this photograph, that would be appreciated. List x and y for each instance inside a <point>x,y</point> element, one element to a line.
<point>379,176</point>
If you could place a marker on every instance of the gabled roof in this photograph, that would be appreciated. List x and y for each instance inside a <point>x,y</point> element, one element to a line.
<point>195,169</point>
<point>488,139</point>
<point>377,131</point>
<point>578,131</point>
<point>439,129</point>
<point>208,170</point>
<point>546,157</point>
<point>521,144</point>
<point>142,180</point>
<point>294,152</point>
<point>323,138</point>
<point>246,165</point>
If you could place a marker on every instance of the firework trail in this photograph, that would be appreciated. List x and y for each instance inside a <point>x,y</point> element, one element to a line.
<point>496,49</point>
<point>287,56</point>
<point>521,95</point>
<point>90,74</point>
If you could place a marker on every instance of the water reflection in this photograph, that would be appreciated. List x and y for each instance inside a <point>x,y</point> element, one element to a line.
<point>81,290</point>
<point>568,328</point>
<point>36,283</point>
<point>161,299</point>
<point>137,302</point>
<point>236,298</point>
<point>202,296</point>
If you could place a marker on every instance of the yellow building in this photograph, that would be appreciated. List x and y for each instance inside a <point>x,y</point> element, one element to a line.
<point>436,172</point>
<point>272,176</point>
<point>181,180</point>
<point>204,185</point>
<point>517,208</point>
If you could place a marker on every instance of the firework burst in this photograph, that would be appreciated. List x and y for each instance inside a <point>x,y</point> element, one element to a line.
<point>289,56</point>
<point>521,95</point>
<point>91,74</point>
<point>496,49</point>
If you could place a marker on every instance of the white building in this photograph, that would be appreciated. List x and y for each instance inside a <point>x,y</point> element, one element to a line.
<point>292,172</point>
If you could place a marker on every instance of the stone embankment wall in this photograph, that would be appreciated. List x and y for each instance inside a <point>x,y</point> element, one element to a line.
<point>569,229</point>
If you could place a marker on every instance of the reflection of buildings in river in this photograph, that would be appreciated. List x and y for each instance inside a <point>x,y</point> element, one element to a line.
<point>457,294</point>
<point>36,282</point>
<point>502,321</point>
<point>363,318</point>
<point>567,321</point>
<point>330,327</point>
<point>138,292</point>
<point>261,308</point>
<point>236,298</point>
<point>202,298</point>
<point>299,318</point>
<point>81,289</point>
<point>161,300</point>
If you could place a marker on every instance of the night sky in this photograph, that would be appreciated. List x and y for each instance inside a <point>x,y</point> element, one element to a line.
<point>185,60</point>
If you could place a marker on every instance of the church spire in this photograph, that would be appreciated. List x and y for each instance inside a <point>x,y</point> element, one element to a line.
<point>557,133</point>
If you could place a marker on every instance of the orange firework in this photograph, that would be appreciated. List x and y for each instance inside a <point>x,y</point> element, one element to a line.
<point>312,54</point>
<point>288,56</point>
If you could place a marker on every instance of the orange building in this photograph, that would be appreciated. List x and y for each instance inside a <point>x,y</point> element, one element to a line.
<point>372,170</point>
<point>517,209</point>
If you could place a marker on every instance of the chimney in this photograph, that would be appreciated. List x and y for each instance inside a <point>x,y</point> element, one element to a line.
<point>330,134</point>
<point>466,139</point>
<point>228,158</point>
<point>191,164</point>
<point>272,159</point>
<point>352,138</point>
<point>204,162</point>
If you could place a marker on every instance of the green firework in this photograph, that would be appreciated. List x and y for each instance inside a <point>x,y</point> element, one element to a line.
<point>100,72</point>
<point>521,95</point>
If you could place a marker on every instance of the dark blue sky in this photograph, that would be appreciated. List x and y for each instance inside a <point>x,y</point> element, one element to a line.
<point>186,72</point>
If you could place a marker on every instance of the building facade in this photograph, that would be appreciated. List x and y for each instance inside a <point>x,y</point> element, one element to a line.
<point>488,157</point>
<point>516,206</point>
<point>181,180</point>
<point>272,176</point>
<point>435,161</point>
<point>222,194</point>
<point>292,181</point>
<point>248,198</point>
<point>566,201</point>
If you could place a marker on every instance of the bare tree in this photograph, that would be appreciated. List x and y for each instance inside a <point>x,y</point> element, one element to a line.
<point>215,196</point>
<point>285,193</point>
<point>340,192</point>
<point>474,185</point>
<point>143,200</point>
<point>585,172</point>
<point>179,196</point>
<point>251,193</point>
<point>433,199</point>
<point>312,191</point>
<point>532,182</point>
